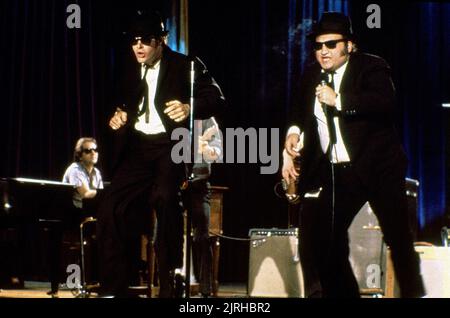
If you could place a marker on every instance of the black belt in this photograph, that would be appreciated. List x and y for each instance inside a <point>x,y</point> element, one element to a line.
<point>342,165</point>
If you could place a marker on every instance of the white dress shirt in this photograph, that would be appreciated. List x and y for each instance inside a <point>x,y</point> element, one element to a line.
<point>339,153</point>
<point>155,125</point>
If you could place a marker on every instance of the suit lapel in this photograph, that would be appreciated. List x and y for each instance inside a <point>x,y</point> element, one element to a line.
<point>346,78</point>
<point>315,80</point>
<point>163,71</point>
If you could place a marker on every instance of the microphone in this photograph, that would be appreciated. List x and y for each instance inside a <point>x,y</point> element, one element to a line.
<point>329,112</point>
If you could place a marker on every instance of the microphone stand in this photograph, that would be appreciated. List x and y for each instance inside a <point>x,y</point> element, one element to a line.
<point>331,126</point>
<point>188,194</point>
<point>333,140</point>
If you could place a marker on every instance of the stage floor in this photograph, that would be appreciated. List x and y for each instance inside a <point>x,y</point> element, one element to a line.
<point>39,290</point>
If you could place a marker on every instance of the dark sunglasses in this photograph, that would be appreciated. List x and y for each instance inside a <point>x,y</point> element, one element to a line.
<point>146,40</point>
<point>90,150</point>
<point>329,44</point>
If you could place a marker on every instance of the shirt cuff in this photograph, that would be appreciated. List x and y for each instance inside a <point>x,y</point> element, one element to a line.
<point>293,130</point>
<point>338,102</point>
<point>217,151</point>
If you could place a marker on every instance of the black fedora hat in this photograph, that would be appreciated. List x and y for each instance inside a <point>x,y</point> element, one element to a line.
<point>146,23</point>
<point>332,22</point>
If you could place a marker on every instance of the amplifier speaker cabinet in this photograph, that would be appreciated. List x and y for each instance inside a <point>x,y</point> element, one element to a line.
<point>412,190</point>
<point>368,252</point>
<point>372,264</point>
<point>274,266</point>
<point>434,267</point>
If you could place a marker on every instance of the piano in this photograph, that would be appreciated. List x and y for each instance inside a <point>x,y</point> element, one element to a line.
<point>38,200</point>
<point>30,210</point>
<point>34,200</point>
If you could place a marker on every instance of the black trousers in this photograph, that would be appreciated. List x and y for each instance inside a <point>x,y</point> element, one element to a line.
<point>202,250</point>
<point>146,179</point>
<point>324,243</point>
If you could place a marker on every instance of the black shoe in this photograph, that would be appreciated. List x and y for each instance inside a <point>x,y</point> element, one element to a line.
<point>180,286</point>
<point>167,287</point>
<point>106,296</point>
<point>53,293</point>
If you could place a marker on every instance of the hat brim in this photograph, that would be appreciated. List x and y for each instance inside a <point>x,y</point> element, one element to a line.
<point>312,35</point>
<point>144,33</point>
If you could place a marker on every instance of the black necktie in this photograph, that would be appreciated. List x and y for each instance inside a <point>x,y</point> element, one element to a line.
<point>331,112</point>
<point>145,107</point>
<point>331,79</point>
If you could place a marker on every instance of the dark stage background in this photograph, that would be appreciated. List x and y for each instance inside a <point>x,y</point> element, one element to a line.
<point>57,84</point>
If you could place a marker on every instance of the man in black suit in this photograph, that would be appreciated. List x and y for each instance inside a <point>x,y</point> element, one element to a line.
<point>350,154</point>
<point>154,101</point>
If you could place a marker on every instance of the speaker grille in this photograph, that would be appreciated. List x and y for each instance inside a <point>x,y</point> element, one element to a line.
<point>274,267</point>
<point>367,251</point>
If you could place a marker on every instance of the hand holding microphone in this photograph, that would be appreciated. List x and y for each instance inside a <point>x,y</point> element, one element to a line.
<point>326,94</point>
<point>327,97</point>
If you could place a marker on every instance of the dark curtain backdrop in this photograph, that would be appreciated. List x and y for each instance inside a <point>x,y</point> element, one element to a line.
<point>415,40</point>
<point>53,83</point>
<point>424,86</point>
<point>56,85</point>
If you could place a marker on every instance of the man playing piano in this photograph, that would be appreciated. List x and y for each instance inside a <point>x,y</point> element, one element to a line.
<point>82,173</point>
<point>86,179</point>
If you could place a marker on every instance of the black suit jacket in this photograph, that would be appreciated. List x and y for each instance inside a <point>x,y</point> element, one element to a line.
<point>173,84</point>
<point>366,121</point>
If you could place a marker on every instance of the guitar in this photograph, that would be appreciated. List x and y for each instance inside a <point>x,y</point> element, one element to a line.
<point>203,141</point>
<point>291,189</point>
